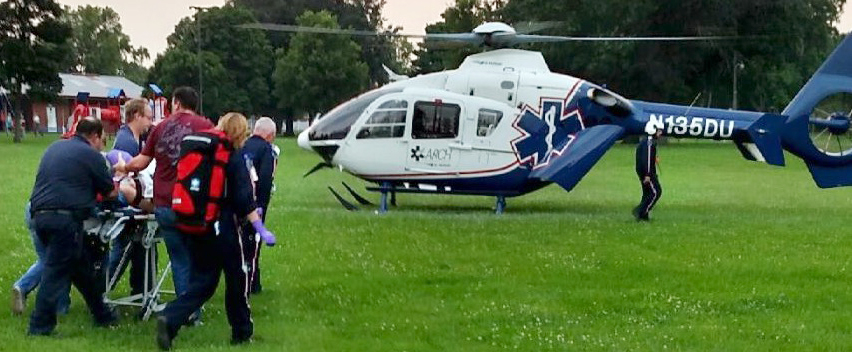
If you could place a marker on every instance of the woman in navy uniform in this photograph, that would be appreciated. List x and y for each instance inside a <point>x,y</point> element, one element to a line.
<point>221,251</point>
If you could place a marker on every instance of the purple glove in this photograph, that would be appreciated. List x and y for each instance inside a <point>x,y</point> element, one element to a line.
<point>115,155</point>
<point>259,212</point>
<point>267,236</point>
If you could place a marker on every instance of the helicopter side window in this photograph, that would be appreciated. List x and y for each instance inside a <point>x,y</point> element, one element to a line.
<point>388,121</point>
<point>488,120</point>
<point>435,120</point>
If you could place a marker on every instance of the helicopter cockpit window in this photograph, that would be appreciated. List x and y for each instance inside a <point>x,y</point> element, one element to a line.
<point>487,122</point>
<point>336,123</point>
<point>394,104</point>
<point>435,120</point>
<point>388,121</point>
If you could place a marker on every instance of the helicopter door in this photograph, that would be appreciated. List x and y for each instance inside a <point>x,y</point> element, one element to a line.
<point>486,121</point>
<point>435,128</point>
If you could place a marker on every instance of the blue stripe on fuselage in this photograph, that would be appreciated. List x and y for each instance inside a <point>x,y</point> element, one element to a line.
<point>512,183</point>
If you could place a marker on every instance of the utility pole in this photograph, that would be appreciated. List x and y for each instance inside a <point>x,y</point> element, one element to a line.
<point>738,65</point>
<point>198,58</point>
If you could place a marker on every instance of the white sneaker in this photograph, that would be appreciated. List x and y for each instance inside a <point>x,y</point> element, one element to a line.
<point>19,301</point>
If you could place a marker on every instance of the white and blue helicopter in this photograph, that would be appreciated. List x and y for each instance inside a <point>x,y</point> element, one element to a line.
<point>503,125</point>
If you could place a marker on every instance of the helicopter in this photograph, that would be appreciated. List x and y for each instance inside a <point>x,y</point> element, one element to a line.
<point>503,125</point>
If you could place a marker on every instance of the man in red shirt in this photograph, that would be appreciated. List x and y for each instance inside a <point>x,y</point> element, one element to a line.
<point>163,145</point>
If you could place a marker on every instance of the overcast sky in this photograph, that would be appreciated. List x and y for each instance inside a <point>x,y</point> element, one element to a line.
<point>148,23</point>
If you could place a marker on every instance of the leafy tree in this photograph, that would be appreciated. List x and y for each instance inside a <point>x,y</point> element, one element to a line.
<point>317,72</point>
<point>796,36</point>
<point>32,50</point>
<point>236,63</point>
<point>100,45</point>
<point>463,17</point>
<point>353,14</point>
<point>178,67</point>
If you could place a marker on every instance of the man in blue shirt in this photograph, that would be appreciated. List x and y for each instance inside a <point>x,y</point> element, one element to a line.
<point>138,119</point>
<point>71,174</point>
<point>260,158</point>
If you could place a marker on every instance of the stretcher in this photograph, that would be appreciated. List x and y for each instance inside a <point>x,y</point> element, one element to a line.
<point>108,225</point>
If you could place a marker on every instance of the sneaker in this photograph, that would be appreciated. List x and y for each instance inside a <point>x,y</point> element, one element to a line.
<point>19,301</point>
<point>164,339</point>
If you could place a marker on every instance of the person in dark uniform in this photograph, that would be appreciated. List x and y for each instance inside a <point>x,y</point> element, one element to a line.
<point>646,169</point>
<point>261,158</point>
<point>71,173</point>
<point>221,250</point>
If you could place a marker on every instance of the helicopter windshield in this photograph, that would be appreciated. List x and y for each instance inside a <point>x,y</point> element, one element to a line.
<point>337,122</point>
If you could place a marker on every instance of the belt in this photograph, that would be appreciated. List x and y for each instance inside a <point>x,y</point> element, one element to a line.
<point>77,214</point>
<point>56,211</point>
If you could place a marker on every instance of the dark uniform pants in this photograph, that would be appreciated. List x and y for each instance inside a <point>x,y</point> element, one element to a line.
<point>252,244</point>
<point>651,193</point>
<point>67,258</point>
<point>210,255</point>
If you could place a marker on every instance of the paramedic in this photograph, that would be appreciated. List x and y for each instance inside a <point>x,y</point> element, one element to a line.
<point>71,173</point>
<point>220,249</point>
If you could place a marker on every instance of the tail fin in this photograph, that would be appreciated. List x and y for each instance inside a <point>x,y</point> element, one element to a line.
<point>834,76</point>
<point>829,169</point>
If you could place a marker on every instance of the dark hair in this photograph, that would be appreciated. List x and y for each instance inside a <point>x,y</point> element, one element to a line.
<point>187,97</point>
<point>89,126</point>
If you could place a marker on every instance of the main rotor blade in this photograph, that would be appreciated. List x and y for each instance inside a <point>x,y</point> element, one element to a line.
<point>321,30</point>
<point>533,26</point>
<point>512,39</point>
<point>471,38</point>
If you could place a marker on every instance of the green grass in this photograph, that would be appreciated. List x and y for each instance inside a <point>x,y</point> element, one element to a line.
<point>740,256</point>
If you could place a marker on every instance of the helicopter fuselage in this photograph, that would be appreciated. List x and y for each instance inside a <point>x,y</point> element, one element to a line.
<point>503,124</point>
<point>450,131</point>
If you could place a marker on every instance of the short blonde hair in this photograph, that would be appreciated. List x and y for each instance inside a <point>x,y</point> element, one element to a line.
<point>235,127</point>
<point>134,107</point>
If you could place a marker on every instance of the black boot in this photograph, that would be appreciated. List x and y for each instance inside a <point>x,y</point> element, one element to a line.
<point>164,337</point>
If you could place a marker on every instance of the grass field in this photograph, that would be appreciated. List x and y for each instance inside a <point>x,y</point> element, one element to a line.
<point>740,256</point>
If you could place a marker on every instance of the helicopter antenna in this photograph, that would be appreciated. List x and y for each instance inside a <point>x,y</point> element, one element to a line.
<point>693,103</point>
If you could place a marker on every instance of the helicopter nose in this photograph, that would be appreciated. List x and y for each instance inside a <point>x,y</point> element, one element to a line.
<point>302,140</point>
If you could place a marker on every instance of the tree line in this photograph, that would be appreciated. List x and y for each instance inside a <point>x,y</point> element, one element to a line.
<point>781,42</point>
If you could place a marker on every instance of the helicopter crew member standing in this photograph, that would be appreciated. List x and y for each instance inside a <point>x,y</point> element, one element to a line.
<point>646,169</point>
<point>70,175</point>
<point>258,151</point>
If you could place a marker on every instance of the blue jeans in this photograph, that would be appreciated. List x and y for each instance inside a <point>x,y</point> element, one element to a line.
<point>176,247</point>
<point>30,280</point>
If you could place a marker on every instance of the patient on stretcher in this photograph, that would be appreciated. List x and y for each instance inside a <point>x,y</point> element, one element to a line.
<point>134,191</point>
